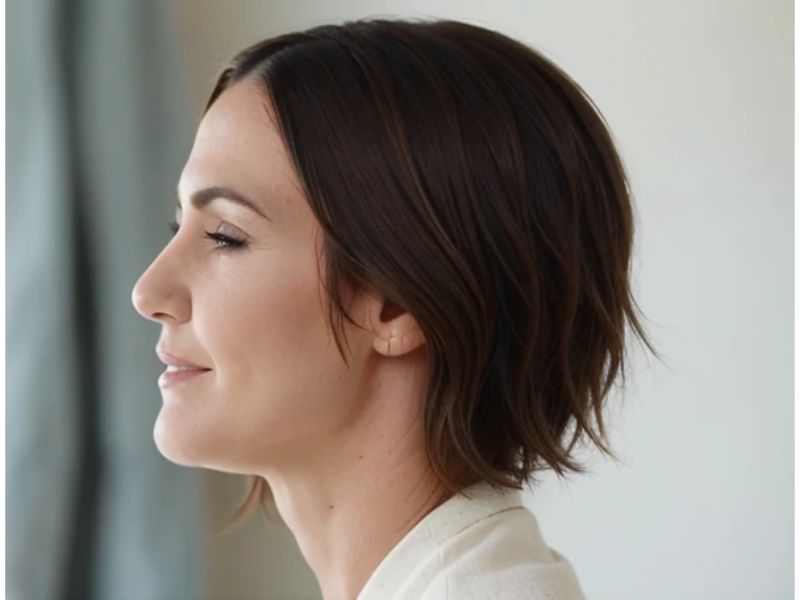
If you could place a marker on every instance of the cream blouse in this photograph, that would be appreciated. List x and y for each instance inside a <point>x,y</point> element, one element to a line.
<point>486,547</point>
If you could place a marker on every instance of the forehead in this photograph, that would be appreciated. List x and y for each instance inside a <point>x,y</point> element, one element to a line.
<point>237,145</point>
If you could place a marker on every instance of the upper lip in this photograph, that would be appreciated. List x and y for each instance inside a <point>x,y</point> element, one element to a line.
<point>176,361</point>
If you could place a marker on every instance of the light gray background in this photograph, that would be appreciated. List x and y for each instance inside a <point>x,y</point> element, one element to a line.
<point>699,96</point>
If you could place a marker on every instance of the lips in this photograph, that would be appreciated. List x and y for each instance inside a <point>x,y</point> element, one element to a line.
<point>171,378</point>
<point>178,362</point>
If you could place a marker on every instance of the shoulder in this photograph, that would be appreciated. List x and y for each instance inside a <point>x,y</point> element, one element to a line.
<point>503,557</point>
<point>483,545</point>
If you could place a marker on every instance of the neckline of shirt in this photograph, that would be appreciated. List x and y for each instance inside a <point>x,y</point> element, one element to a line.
<point>474,503</point>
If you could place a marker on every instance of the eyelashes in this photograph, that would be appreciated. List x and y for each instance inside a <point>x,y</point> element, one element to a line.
<point>227,242</point>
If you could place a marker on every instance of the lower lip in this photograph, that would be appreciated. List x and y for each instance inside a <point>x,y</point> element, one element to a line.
<point>170,378</point>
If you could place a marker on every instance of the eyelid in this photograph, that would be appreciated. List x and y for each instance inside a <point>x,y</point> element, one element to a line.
<point>221,228</point>
<point>231,242</point>
<point>236,232</point>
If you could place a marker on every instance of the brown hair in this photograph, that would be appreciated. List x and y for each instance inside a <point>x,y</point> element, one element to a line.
<point>475,184</point>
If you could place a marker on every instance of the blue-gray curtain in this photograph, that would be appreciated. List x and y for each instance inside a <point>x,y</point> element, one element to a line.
<point>97,132</point>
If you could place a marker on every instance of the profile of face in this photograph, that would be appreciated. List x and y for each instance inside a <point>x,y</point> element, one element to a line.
<point>253,314</point>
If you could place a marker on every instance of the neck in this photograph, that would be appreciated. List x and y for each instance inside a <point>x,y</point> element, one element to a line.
<point>349,504</point>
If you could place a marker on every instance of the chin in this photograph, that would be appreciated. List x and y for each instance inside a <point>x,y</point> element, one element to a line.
<point>168,444</point>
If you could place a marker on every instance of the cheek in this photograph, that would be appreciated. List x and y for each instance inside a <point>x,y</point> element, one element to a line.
<point>265,319</point>
<point>278,367</point>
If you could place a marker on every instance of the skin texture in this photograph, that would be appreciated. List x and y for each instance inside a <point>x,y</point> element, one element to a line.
<point>342,448</point>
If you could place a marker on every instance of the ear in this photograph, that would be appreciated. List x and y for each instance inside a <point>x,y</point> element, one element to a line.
<point>395,330</point>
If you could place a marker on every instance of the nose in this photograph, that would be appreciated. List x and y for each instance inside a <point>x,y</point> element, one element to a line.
<point>157,296</point>
<point>139,300</point>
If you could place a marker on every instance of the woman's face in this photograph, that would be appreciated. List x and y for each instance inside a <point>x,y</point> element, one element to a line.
<point>252,314</point>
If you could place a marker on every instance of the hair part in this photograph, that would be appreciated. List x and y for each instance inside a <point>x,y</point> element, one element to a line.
<point>474,184</point>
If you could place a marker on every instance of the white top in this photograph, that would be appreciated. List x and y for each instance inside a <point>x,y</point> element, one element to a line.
<point>486,546</point>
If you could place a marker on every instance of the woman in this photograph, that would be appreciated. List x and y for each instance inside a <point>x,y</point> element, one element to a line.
<point>446,206</point>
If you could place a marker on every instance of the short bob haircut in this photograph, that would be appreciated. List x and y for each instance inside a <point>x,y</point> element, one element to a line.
<point>472,182</point>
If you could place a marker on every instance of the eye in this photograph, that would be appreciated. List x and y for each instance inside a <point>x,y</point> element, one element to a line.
<point>224,242</point>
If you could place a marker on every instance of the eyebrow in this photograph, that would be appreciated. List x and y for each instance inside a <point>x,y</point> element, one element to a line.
<point>205,196</point>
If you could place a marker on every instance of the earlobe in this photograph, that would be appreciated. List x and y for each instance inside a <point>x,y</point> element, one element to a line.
<point>394,338</point>
<point>397,335</point>
<point>395,344</point>
<point>412,340</point>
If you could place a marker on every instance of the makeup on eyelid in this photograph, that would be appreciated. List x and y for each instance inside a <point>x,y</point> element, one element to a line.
<point>230,242</point>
